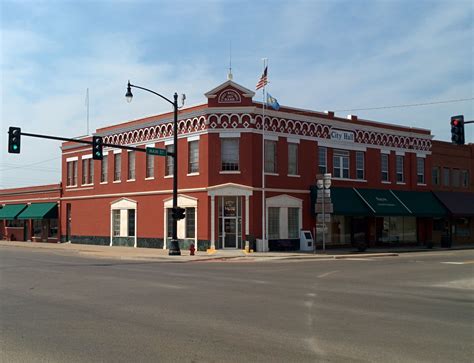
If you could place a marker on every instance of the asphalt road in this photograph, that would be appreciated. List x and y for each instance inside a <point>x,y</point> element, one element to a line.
<point>60,308</point>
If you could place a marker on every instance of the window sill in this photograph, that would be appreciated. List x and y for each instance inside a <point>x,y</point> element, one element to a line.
<point>352,180</point>
<point>294,176</point>
<point>193,174</point>
<point>386,182</point>
<point>229,172</point>
<point>421,184</point>
<point>401,183</point>
<point>130,180</point>
<point>87,185</point>
<point>168,176</point>
<point>117,181</point>
<point>104,182</point>
<point>71,186</point>
<point>150,178</point>
<point>272,174</point>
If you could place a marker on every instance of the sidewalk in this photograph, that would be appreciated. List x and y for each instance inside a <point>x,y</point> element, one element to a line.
<point>154,254</point>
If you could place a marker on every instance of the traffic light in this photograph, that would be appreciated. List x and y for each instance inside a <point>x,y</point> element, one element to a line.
<point>178,213</point>
<point>457,130</point>
<point>14,140</point>
<point>97,146</point>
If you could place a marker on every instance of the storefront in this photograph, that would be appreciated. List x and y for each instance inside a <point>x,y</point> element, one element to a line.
<point>12,228</point>
<point>42,221</point>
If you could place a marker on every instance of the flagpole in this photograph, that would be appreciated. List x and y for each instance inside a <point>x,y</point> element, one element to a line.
<point>264,246</point>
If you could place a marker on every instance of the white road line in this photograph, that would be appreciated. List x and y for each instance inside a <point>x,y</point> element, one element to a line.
<point>326,274</point>
<point>358,259</point>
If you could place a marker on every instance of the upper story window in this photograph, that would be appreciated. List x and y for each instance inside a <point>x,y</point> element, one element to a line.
<point>131,165</point>
<point>435,176</point>
<point>341,164</point>
<point>71,177</point>
<point>150,166</point>
<point>400,162</point>
<point>456,176</point>
<point>384,167</point>
<point>446,177</point>
<point>360,165</point>
<point>87,171</point>
<point>169,161</point>
<point>322,160</point>
<point>420,170</point>
<point>229,153</point>
<point>117,166</point>
<point>104,169</point>
<point>193,152</point>
<point>464,178</point>
<point>292,159</point>
<point>270,156</point>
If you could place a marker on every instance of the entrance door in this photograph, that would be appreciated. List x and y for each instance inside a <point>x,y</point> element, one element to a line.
<point>68,222</point>
<point>230,233</point>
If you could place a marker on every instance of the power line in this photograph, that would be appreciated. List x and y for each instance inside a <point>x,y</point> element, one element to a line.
<point>32,164</point>
<point>407,105</point>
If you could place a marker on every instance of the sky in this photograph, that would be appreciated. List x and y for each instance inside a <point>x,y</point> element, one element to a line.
<point>323,55</point>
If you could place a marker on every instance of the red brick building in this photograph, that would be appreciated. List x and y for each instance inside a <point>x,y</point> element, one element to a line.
<point>380,178</point>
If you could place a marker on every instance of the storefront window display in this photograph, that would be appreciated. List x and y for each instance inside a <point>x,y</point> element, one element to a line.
<point>396,229</point>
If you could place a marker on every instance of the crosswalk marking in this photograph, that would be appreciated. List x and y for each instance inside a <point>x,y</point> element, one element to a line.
<point>459,262</point>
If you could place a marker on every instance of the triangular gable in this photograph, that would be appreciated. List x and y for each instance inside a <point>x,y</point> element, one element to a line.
<point>229,94</point>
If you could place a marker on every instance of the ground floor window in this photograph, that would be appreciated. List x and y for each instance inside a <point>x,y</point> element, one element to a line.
<point>37,227</point>
<point>293,222</point>
<point>169,222</point>
<point>273,223</point>
<point>53,228</point>
<point>116,223</point>
<point>190,222</point>
<point>396,229</point>
<point>462,227</point>
<point>131,222</point>
<point>123,222</point>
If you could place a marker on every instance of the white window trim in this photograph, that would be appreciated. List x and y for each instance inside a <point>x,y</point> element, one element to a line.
<point>193,138</point>
<point>272,174</point>
<point>352,180</point>
<point>271,138</point>
<point>193,174</point>
<point>385,152</point>
<point>74,158</point>
<point>86,156</point>
<point>291,140</point>
<point>117,151</point>
<point>229,172</point>
<point>229,135</point>
<point>123,204</point>
<point>295,176</point>
<point>149,178</point>
<point>418,155</point>
<point>168,176</point>
<point>169,142</point>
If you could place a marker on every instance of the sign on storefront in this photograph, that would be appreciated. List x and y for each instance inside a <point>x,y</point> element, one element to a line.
<point>341,135</point>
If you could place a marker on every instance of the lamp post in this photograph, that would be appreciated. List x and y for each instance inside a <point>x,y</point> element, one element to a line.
<point>174,249</point>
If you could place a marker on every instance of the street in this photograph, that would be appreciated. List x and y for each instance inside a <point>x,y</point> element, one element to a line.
<point>56,307</point>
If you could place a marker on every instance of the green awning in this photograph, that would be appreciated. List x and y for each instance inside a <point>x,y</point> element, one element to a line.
<point>383,202</point>
<point>11,211</point>
<point>421,204</point>
<point>40,211</point>
<point>346,202</point>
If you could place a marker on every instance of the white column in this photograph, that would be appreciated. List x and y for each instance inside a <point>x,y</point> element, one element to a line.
<point>213,227</point>
<point>247,217</point>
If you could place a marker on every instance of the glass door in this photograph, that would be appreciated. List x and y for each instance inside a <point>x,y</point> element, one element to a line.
<point>230,232</point>
<point>230,221</point>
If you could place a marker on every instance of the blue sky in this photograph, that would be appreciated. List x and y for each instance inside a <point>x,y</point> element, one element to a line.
<point>323,55</point>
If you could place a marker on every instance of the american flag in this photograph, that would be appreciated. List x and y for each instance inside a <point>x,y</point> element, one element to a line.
<point>263,80</point>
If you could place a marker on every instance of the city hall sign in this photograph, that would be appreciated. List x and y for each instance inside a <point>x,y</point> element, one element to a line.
<point>341,135</point>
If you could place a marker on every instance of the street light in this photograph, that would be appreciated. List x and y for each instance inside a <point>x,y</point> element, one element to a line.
<point>174,249</point>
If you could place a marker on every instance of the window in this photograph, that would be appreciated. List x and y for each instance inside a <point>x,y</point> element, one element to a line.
<point>293,222</point>
<point>37,228</point>
<point>292,159</point>
<point>131,165</point>
<point>270,156</point>
<point>169,162</point>
<point>456,178</point>
<point>400,162</point>
<point>384,167</point>
<point>341,164</point>
<point>190,222</point>
<point>103,169</point>
<point>71,173</point>
<point>131,222</point>
<point>273,223</point>
<point>150,166</point>
<point>116,222</point>
<point>360,161</point>
<point>87,171</point>
<point>53,228</point>
<point>420,170</point>
<point>464,178</point>
<point>193,152</point>
<point>230,153</point>
<point>322,158</point>
<point>117,166</point>
<point>435,176</point>
<point>446,177</point>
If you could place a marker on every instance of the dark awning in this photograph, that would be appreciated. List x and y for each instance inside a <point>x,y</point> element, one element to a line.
<point>383,202</point>
<point>421,204</point>
<point>40,211</point>
<point>458,203</point>
<point>11,211</point>
<point>346,202</point>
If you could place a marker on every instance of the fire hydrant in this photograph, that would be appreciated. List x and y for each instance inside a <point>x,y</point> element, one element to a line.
<point>192,249</point>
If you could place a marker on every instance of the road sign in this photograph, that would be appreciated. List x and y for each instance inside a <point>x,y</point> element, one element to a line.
<point>327,218</point>
<point>321,227</point>
<point>328,208</point>
<point>156,151</point>
<point>327,193</point>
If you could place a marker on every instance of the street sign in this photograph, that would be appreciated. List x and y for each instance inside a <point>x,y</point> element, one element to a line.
<point>327,218</point>
<point>321,227</point>
<point>328,208</point>
<point>156,151</point>
<point>327,193</point>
